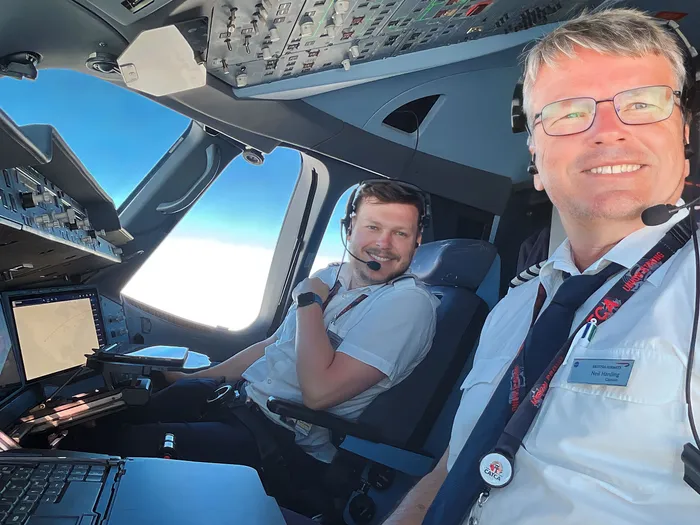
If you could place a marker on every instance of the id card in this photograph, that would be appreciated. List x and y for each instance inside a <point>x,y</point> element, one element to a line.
<point>612,372</point>
<point>334,339</point>
<point>302,427</point>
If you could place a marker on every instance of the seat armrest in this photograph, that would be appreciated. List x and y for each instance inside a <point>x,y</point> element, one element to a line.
<point>412,463</point>
<point>339,426</point>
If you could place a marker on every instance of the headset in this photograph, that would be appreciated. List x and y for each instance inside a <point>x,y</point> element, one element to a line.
<point>658,215</point>
<point>351,207</point>
<point>425,212</point>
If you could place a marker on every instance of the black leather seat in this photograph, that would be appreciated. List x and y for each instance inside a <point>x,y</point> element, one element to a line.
<point>393,428</point>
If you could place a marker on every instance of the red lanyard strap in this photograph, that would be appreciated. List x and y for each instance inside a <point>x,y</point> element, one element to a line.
<point>333,292</point>
<point>352,305</point>
<point>521,421</point>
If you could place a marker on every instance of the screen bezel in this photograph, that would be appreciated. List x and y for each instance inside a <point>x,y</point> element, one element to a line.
<point>8,297</point>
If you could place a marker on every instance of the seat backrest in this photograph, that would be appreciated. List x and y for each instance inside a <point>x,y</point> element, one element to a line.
<point>453,270</point>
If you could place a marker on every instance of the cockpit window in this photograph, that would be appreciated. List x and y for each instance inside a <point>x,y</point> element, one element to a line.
<point>117,134</point>
<point>212,268</point>
<point>331,248</point>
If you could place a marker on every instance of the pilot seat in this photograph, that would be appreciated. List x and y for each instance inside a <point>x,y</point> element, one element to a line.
<point>391,433</point>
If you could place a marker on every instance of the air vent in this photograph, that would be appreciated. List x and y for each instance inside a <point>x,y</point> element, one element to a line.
<point>410,116</point>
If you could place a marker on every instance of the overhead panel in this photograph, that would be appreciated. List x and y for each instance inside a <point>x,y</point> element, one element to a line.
<point>255,42</point>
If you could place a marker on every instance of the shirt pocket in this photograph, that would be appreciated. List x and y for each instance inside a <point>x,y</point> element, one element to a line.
<point>657,376</point>
<point>628,437</point>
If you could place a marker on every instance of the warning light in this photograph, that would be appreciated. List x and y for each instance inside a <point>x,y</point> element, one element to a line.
<point>478,8</point>
<point>670,15</point>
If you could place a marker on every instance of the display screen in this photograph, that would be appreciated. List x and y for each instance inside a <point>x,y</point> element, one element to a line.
<point>55,331</point>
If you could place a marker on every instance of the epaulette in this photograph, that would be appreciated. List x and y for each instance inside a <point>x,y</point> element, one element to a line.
<point>404,277</point>
<point>527,274</point>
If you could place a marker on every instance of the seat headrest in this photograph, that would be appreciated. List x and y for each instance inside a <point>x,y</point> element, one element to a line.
<point>453,262</point>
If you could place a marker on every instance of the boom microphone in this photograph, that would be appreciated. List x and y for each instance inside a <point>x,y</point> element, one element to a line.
<point>660,213</point>
<point>372,265</point>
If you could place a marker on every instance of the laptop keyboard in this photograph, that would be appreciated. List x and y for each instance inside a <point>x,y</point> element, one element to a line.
<point>24,487</point>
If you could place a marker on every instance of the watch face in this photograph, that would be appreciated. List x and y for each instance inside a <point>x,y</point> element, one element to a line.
<point>306,299</point>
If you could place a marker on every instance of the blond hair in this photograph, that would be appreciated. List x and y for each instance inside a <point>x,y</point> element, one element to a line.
<point>617,32</point>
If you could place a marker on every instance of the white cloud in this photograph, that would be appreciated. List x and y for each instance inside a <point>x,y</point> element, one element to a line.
<point>206,281</point>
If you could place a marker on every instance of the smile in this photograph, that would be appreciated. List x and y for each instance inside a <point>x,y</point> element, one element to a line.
<point>617,168</point>
<point>378,258</point>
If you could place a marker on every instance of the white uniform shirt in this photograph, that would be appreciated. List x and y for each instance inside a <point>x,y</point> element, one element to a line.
<point>598,453</point>
<point>392,331</point>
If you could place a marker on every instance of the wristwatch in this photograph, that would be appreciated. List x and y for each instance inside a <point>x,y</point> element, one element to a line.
<point>307,298</point>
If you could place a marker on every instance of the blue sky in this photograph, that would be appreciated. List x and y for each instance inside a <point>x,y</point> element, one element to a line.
<point>120,135</point>
<point>227,238</point>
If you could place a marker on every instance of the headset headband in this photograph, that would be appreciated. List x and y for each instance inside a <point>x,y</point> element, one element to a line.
<point>425,212</point>
<point>518,118</point>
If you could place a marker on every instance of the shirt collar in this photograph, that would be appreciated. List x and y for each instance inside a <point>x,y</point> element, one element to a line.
<point>626,253</point>
<point>344,280</point>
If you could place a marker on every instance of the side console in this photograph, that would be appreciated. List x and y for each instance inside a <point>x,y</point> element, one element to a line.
<point>55,220</point>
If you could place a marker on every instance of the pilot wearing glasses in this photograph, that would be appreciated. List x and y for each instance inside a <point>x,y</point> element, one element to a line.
<point>592,432</point>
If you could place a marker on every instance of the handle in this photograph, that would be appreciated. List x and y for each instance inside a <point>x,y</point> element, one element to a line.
<point>201,184</point>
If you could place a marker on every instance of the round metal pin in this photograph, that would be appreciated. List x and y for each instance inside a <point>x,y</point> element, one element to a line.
<point>496,470</point>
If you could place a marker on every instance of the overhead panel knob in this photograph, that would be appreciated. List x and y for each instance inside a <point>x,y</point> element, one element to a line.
<point>266,53</point>
<point>355,51</point>
<point>306,25</point>
<point>338,19</point>
<point>274,34</point>
<point>262,12</point>
<point>242,79</point>
<point>346,64</point>
<point>27,199</point>
<point>331,30</point>
<point>342,6</point>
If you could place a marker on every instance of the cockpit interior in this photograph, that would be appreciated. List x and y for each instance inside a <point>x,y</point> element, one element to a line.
<point>342,91</point>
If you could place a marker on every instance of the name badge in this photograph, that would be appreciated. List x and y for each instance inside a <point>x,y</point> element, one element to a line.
<point>613,372</point>
<point>303,427</point>
<point>334,339</point>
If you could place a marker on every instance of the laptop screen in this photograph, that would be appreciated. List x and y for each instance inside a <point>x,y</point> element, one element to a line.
<point>56,330</point>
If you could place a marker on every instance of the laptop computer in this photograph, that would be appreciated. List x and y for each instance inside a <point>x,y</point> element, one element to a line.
<point>45,487</point>
<point>57,487</point>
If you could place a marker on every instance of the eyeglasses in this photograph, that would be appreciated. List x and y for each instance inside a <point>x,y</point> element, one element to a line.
<point>644,105</point>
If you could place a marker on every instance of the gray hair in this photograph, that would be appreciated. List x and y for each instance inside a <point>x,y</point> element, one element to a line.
<point>617,32</point>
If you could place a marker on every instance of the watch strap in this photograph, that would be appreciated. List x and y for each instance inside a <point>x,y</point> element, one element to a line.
<point>309,298</point>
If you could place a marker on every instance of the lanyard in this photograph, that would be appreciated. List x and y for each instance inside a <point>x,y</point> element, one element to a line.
<point>501,461</point>
<point>334,292</point>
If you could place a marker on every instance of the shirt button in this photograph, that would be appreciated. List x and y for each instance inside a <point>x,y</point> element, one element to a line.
<point>269,381</point>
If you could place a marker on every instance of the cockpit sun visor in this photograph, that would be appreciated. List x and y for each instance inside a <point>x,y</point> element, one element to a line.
<point>17,149</point>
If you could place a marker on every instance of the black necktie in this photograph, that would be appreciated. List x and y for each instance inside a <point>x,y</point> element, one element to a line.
<point>544,339</point>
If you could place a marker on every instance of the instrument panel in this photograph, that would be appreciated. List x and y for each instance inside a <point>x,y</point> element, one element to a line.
<point>255,42</point>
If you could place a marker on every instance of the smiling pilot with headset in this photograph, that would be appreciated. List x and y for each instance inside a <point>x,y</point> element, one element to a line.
<point>578,406</point>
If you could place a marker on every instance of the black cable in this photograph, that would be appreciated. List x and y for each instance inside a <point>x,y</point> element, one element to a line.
<point>691,351</point>
<point>64,385</point>
<point>415,147</point>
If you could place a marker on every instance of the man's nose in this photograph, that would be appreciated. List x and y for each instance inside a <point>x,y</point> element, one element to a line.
<point>384,239</point>
<point>607,128</point>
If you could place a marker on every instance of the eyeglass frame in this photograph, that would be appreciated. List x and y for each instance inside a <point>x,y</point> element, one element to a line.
<point>677,93</point>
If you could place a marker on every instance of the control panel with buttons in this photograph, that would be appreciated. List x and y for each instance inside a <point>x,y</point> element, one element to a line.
<point>52,227</point>
<point>254,42</point>
<point>114,320</point>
